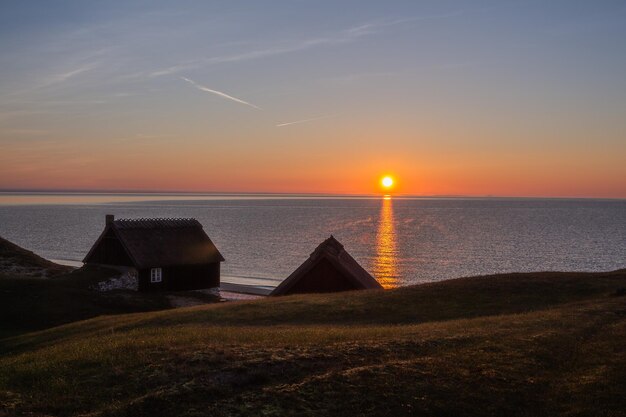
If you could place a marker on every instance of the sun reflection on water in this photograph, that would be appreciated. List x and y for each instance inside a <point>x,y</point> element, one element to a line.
<point>385,263</point>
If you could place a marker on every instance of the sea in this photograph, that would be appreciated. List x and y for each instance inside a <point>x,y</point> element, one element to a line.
<point>399,240</point>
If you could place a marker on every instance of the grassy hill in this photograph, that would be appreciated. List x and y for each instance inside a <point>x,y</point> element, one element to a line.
<point>539,344</point>
<point>36,294</point>
<point>28,304</point>
<point>18,261</point>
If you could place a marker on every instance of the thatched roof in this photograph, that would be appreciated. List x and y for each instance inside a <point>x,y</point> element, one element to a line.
<point>162,242</point>
<point>331,250</point>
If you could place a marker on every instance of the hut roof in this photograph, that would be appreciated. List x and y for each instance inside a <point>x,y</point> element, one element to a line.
<point>162,242</point>
<point>333,251</point>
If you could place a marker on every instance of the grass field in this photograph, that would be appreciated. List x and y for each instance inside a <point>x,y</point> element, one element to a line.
<point>37,294</point>
<point>539,344</point>
<point>28,304</point>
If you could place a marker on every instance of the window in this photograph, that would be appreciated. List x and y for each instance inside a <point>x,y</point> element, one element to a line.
<point>156,275</point>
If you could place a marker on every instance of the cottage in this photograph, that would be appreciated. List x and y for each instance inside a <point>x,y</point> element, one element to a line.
<point>167,254</point>
<point>329,269</point>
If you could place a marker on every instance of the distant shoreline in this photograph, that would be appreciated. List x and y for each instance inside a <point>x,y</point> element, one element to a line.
<point>229,286</point>
<point>286,195</point>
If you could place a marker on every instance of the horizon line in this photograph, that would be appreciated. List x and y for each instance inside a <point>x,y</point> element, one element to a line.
<point>276,193</point>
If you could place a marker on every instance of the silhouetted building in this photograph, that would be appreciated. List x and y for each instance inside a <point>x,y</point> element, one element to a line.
<point>167,254</point>
<point>329,269</point>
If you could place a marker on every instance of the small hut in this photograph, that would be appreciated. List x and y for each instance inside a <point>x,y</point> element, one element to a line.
<point>166,254</point>
<point>329,269</point>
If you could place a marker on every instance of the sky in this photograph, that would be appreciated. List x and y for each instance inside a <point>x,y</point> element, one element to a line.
<point>482,98</point>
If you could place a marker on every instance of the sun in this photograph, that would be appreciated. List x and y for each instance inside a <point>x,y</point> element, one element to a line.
<point>387,182</point>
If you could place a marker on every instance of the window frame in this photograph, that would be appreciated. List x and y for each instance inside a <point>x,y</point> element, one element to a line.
<point>156,275</point>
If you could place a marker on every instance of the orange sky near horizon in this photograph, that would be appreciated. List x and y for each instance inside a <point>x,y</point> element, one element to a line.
<point>177,168</point>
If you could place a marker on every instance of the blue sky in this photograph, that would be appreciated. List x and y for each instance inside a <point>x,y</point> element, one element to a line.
<point>449,87</point>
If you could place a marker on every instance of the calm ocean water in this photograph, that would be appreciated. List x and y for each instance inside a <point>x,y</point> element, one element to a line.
<point>400,241</point>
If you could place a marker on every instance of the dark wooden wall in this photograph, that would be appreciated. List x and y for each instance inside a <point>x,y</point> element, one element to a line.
<point>323,277</point>
<point>182,277</point>
<point>109,251</point>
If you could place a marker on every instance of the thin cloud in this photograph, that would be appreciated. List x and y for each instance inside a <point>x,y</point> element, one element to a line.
<point>348,35</point>
<point>344,36</point>
<point>172,70</point>
<point>51,81</point>
<point>295,122</point>
<point>65,76</point>
<point>218,93</point>
<point>69,74</point>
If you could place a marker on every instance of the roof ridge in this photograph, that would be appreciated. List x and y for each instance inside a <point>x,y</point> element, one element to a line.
<point>155,218</point>
<point>163,222</point>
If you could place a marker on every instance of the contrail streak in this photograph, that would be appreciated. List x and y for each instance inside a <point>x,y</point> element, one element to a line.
<point>305,120</point>
<point>218,93</point>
